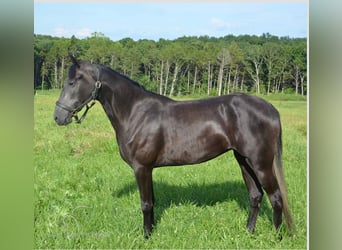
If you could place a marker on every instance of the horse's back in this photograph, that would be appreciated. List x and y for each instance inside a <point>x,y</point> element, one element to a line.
<point>228,109</point>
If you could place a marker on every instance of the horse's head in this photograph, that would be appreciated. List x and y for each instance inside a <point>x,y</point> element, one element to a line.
<point>81,87</point>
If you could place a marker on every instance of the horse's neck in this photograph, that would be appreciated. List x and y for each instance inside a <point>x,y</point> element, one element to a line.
<point>117,98</point>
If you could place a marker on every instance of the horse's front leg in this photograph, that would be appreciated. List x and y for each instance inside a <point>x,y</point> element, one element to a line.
<point>143,176</point>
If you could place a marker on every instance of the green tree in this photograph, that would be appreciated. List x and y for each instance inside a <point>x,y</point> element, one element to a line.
<point>75,48</point>
<point>298,62</point>
<point>270,53</point>
<point>224,59</point>
<point>236,65</point>
<point>254,60</point>
<point>97,48</point>
<point>187,64</point>
<point>282,68</point>
<point>115,53</point>
<point>177,59</point>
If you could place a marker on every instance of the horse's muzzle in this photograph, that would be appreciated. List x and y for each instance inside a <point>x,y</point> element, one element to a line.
<point>62,117</point>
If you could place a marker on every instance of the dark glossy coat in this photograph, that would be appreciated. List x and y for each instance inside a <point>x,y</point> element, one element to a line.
<point>154,131</point>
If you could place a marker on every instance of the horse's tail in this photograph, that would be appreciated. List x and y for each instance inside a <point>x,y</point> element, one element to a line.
<point>278,170</point>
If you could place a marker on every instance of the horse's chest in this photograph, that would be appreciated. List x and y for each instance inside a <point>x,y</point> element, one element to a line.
<point>140,149</point>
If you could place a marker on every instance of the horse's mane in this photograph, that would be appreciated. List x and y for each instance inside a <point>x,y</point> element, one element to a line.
<point>103,67</point>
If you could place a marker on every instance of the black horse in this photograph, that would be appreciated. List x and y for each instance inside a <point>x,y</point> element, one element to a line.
<point>154,131</point>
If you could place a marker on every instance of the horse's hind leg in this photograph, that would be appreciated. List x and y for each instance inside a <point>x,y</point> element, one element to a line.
<point>269,183</point>
<point>254,190</point>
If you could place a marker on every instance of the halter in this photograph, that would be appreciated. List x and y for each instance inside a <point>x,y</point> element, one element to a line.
<point>74,111</point>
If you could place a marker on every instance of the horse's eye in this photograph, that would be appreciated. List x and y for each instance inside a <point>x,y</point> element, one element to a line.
<point>71,83</point>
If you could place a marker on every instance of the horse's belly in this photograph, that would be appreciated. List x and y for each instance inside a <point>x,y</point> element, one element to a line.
<point>194,149</point>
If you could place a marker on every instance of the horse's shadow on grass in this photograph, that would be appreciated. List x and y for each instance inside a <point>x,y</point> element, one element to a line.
<point>167,195</point>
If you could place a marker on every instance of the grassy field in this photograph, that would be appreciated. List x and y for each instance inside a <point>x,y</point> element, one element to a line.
<point>86,197</point>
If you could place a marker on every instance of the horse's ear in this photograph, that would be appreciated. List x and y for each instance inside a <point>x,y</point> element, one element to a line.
<point>74,61</point>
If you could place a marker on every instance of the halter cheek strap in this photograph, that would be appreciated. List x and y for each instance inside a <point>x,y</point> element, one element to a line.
<point>94,95</point>
<point>92,98</point>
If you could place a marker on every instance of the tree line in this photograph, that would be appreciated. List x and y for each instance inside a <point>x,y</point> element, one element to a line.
<point>187,65</point>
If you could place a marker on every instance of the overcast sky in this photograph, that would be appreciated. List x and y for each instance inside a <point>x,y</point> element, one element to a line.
<point>170,20</point>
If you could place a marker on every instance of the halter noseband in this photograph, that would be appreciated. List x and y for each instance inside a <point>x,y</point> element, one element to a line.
<point>74,111</point>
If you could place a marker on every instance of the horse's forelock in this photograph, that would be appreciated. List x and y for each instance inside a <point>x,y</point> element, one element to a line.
<point>72,72</point>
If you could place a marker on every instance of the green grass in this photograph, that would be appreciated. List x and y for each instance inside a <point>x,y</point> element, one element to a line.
<point>86,196</point>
